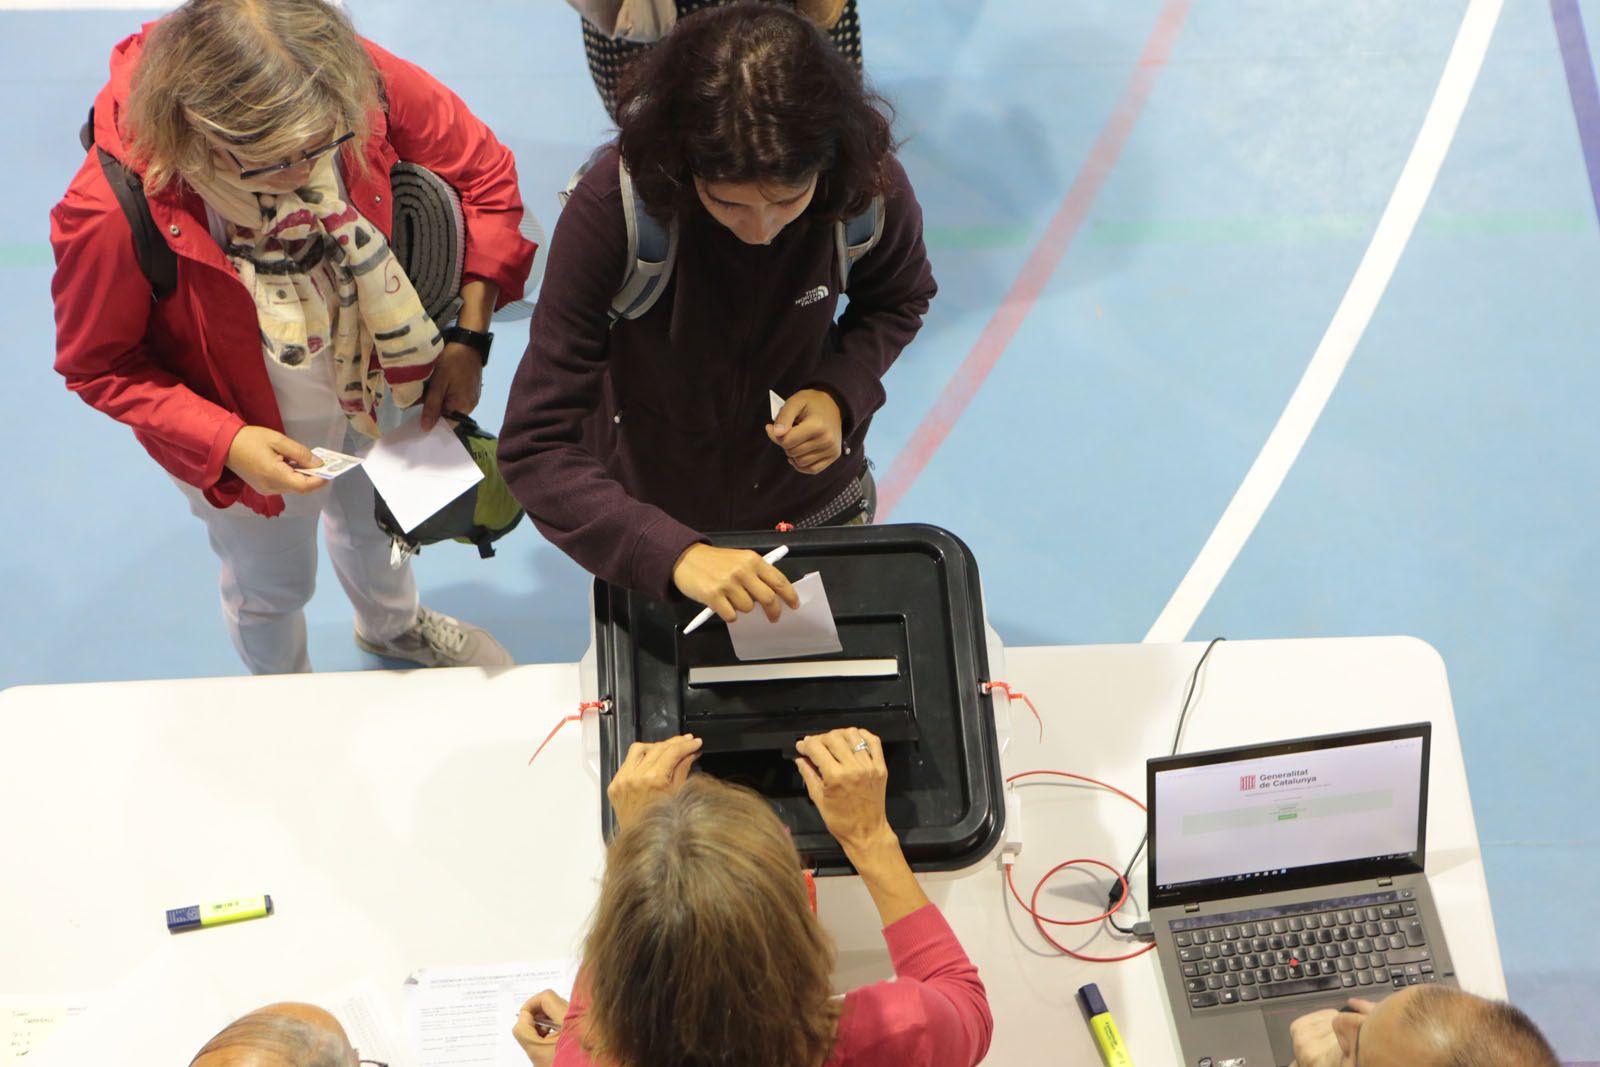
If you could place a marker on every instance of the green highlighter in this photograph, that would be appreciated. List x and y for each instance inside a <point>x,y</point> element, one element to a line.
<point>1112,1050</point>
<point>229,911</point>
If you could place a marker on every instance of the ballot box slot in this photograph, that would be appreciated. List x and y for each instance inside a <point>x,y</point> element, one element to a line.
<point>760,715</point>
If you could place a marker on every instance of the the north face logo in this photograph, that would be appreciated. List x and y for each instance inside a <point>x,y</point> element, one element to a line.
<point>811,296</point>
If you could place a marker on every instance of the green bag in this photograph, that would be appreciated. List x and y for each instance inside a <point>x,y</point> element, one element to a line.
<point>480,516</point>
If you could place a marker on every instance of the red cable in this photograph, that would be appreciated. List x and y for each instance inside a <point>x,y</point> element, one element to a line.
<point>1031,907</point>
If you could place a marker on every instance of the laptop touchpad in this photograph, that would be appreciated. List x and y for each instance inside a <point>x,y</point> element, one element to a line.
<point>1278,1021</point>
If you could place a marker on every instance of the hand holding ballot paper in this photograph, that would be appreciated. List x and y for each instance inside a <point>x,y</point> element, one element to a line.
<point>732,580</point>
<point>807,630</point>
<point>418,472</point>
<point>809,427</point>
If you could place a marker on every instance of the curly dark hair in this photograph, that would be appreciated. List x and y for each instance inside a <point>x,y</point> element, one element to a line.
<point>751,91</point>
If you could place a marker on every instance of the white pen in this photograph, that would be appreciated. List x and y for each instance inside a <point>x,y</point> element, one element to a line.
<point>699,620</point>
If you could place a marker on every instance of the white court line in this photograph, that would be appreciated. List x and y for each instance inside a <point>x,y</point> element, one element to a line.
<point>1350,321</point>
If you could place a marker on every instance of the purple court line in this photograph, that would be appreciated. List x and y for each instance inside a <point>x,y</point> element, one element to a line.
<point>1581,85</point>
<point>1041,265</point>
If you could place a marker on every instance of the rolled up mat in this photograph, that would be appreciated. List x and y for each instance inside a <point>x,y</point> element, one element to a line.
<point>429,237</point>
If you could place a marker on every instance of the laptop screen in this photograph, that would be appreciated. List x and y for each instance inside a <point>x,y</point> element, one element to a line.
<point>1270,817</point>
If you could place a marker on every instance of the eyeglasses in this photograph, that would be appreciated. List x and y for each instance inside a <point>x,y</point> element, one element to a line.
<point>288,164</point>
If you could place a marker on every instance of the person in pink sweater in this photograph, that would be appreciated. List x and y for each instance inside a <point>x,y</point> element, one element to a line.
<point>705,948</point>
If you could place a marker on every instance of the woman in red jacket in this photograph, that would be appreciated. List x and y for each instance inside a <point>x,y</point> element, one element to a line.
<point>704,947</point>
<point>264,134</point>
<point>750,135</point>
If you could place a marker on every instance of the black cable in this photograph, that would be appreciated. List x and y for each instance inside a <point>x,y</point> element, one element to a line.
<point>1177,737</point>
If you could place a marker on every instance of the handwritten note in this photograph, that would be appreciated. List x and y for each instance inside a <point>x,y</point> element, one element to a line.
<point>27,1022</point>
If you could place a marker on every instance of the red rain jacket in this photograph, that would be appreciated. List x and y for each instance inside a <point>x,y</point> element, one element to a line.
<point>187,373</point>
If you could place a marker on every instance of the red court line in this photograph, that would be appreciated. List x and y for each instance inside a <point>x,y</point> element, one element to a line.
<point>1042,263</point>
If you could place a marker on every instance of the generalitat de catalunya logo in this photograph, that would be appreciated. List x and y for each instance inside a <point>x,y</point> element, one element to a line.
<point>1247,782</point>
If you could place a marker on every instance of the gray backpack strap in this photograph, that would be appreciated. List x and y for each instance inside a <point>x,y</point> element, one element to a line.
<point>652,247</point>
<point>572,183</point>
<point>652,251</point>
<point>857,236</point>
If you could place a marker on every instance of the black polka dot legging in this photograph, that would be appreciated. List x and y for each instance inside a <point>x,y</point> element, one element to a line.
<point>608,58</point>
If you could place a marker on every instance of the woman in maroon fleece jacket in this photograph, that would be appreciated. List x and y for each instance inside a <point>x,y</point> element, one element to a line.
<point>704,949</point>
<point>750,133</point>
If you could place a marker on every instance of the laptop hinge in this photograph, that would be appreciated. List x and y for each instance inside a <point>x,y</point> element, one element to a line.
<point>1386,880</point>
<point>1190,909</point>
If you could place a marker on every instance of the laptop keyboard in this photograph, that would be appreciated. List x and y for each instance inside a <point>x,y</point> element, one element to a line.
<point>1316,947</point>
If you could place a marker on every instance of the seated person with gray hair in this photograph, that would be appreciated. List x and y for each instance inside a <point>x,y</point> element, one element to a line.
<point>280,1035</point>
<point>1421,1026</point>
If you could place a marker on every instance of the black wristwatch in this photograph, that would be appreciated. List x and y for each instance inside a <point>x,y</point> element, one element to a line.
<point>477,340</point>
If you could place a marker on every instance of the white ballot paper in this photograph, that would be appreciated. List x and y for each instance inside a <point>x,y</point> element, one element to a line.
<point>418,473</point>
<point>805,631</point>
<point>777,403</point>
<point>462,1016</point>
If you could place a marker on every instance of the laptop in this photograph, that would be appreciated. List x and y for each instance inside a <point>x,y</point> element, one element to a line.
<point>1285,878</point>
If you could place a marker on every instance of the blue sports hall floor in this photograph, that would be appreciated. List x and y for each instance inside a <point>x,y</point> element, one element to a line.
<point>1149,220</point>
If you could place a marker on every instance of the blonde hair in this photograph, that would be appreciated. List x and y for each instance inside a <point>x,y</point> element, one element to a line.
<point>704,949</point>
<point>267,75</point>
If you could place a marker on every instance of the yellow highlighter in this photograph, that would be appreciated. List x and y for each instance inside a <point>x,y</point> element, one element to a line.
<point>1112,1050</point>
<point>229,911</point>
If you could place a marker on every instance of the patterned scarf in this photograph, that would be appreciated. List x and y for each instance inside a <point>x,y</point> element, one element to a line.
<point>323,277</point>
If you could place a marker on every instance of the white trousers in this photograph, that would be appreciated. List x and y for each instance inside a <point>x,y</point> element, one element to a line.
<point>269,571</point>
<point>269,566</point>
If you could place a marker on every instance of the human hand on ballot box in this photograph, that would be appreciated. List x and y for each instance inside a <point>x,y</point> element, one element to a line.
<point>846,777</point>
<point>848,780</point>
<point>652,770</point>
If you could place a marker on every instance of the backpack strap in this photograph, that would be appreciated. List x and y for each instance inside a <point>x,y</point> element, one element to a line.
<point>157,261</point>
<point>652,246</point>
<point>855,237</point>
<point>652,249</point>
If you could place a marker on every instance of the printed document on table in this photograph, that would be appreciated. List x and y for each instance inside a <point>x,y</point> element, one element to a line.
<point>418,473</point>
<point>462,1016</point>
<point>808,630</point>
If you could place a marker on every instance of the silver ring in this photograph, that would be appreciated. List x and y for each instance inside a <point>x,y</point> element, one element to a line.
<point>862,747</point>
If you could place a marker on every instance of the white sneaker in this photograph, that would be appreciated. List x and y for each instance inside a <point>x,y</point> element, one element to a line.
<point>437,640</point>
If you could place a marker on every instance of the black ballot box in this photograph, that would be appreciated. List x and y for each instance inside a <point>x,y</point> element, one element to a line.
<point>914,659</point>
